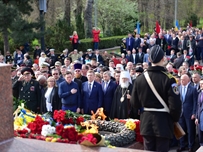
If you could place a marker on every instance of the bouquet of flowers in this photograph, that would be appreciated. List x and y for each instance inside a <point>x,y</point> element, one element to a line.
<point>69,117</point>
<point>92,140</point>
<point>68,132</point>
<point>197,69</point>
<point>36,126</point>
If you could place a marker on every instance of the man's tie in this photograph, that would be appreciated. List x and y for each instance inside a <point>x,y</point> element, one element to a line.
<point>183,93</point>
<point>201,98</point>
<point>105,86</point>
<point>89,88</point>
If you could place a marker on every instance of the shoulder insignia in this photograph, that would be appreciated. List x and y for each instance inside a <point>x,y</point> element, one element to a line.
<point>170,76</point>
<point>175,88</point>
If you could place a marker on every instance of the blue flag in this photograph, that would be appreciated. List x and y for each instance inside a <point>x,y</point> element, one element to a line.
<point>177,25</point>
<point>138,27</point>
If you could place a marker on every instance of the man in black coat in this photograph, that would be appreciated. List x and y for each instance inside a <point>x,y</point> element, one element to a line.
<point>29,90</point>
<point>156,125</point>
<point>140,55</point>
<point>161,41</point>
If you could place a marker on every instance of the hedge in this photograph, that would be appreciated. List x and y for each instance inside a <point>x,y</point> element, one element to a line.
<point>104,43</point>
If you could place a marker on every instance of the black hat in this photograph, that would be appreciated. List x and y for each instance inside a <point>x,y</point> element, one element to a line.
<point>28,70</point>
<point>139,69</point>
<point>156,54</point>
<point>78,66</point>
<point>13,68</point>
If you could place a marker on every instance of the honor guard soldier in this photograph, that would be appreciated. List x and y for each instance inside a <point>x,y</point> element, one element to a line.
<point>29,90</point>
<point>156,94</point>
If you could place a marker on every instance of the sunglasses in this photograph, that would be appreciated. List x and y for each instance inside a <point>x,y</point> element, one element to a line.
<point>55,74</point>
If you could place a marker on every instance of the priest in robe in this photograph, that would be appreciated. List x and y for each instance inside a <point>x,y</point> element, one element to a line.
<point>121,102</point>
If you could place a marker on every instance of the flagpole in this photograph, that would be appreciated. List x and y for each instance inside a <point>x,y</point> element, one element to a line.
<point>175,12</point>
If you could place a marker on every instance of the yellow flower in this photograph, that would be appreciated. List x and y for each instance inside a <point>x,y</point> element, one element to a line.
<point>130,125</point>
<point>48,139</point>
<point>18,121</point>
<point>28,119</point>
<point>110,146</point>
<point>54,140</point>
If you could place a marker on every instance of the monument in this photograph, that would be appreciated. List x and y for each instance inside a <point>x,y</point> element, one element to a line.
<point>6,103</point>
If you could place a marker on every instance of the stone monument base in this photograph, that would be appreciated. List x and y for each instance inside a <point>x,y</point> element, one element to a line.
<point>32,145</point>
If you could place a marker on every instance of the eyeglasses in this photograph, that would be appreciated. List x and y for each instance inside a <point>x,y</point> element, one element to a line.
<point>55,74</point>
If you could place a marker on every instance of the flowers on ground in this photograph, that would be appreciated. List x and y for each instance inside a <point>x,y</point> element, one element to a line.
<point>88,138</point>
<point>36,125</point>
<point>68,117</point>
<point>48,130</point>
<point>130,125</point>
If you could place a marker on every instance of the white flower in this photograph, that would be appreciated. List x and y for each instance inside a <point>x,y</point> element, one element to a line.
<point>48,130</point>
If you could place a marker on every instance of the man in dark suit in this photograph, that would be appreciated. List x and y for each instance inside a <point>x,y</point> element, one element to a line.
<point>172,56</point>
<point>189,100</point>
<point>109,87</point>
<point>196,81</point>
<point>98,57</point>
<point>134,58</point>
<point>140,56</point>
<point>129,42</point>
<point>199,115</point>
<point>53,57</point>
<point>161,41</point>
<point>137,42</point>
<point>92,94</point>
<point>178,61</point>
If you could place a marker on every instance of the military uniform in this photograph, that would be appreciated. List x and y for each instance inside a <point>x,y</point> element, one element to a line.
<point>62,57</point>
<point>154,124</point>
<point>157,123</point>
<point>30,93</point>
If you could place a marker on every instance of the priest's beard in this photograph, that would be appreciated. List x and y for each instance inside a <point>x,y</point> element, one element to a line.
<point>77,76</point>
<point>124,84</point>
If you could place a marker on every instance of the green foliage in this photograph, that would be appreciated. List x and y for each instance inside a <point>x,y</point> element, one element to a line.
<point>17,102</point>
<point>58,35</point>
<point>192,17</point>
<point>13,25</point>
<point>116,17</point>
<point>85,44</point>
<point>80,27</point>
<point>23,31</point>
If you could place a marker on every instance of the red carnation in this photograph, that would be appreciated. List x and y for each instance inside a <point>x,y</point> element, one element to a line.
<point>72,134</point>
<point>59,129</point>
<point>79,120</point>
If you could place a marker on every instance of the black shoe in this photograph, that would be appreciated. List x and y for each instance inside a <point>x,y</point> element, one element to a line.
<point>180,149</point>
<point>190,150</point>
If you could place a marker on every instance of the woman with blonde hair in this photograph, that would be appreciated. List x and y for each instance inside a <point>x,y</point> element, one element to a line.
<point>50,99</point>
<point>75,40</point>
<point>182,70</point>
<point>98,77</point>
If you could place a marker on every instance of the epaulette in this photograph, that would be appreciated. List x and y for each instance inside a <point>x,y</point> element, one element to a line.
<point>170,76</point>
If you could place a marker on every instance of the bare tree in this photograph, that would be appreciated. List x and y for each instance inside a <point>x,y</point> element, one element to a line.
<point>67,15</point>
<point>88,18</point>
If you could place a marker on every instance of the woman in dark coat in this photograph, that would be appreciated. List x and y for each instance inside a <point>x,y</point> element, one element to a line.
<point>50,99</point>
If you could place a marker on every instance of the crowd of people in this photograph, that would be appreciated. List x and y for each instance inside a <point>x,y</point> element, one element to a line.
<point>85,81</point>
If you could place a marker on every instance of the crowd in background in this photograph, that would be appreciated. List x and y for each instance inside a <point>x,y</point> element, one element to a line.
<point>83,81</point>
